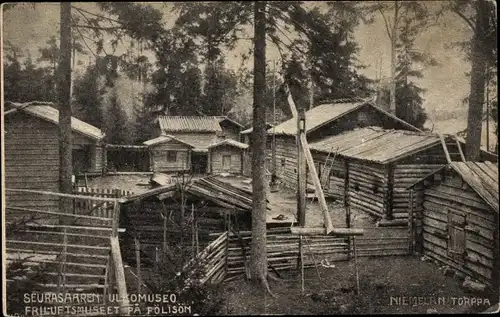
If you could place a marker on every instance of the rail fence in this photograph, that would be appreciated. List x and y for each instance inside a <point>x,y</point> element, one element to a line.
<point>74,252</point>
<point>229,254</point>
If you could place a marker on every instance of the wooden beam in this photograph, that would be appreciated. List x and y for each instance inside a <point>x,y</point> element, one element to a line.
<point>301,172</point>
<point>313,231</point>
<point>312,168</point>
<point>462,156</point>
<point>445,149</point>
<point>119,276</point>
<point>46,193</point>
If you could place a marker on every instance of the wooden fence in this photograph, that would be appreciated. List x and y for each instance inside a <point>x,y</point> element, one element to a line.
<point>76,254</point>
<point>229,254</point>
<point>99,209</point>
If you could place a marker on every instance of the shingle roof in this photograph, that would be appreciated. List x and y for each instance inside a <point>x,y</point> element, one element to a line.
<point>189,124</point>
<point>326,113</point>
<point>231,143</point>
<point>482,177</point>
<point>165,138</point>
<point>376,144</point>
<point>46,111</point>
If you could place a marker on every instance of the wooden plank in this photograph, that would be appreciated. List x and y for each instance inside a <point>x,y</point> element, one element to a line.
<point>488,192</point>
<point>445,149</point>
<point>119,276</point>
<point>41,192</point>
<point>334,232</point>
<point>462,156</point>
<point>312,168</point>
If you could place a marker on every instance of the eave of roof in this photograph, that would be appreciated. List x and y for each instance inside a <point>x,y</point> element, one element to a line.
<point>46,111</point>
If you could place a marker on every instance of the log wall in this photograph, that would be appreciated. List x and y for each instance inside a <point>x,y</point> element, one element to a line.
<point>32,159</point>
<point>454,196</point>
<point>159,161</point>
<point>368,187</point>
<point>406,175</point>
<point>216,160</point>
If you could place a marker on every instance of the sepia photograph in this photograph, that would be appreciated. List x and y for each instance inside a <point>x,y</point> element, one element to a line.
<point>212,158</point>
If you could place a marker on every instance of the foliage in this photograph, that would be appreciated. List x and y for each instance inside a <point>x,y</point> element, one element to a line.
<point>24,81</point>
<point>116,127</point>
<point>88,97</point>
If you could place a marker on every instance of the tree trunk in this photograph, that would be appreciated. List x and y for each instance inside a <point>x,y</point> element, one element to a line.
<point>477,83</point>
<point>64,100</point>
<point>394,36</point>
<point>258,265</point>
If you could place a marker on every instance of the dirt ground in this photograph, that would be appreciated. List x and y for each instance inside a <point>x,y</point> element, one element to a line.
<point>388,285</point>
<point>134,183</point>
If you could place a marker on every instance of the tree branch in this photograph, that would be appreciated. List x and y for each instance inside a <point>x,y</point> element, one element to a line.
<point>80,10</point>
<point>85,42</point>
<point>386,23</point>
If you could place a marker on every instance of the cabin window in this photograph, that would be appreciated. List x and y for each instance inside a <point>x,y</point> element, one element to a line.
<point>456,234</point>
<point>226,162</point>
<point>171,156</point>
<point>283,161</point>
<point>375,189</point>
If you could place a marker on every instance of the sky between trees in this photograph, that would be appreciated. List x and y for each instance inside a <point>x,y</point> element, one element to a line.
<point>29,28</point>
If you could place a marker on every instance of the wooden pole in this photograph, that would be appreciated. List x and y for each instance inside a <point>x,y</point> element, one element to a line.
<point>64,105</point>
<point>120,276</point>
<point>312,168</point>
<point>356,264</point>
<point>462,156</point>
<point>301,171</point>
<point>138,264</point>
<point>445,149</point>
<point>274,123</point>
<point>347,205</point>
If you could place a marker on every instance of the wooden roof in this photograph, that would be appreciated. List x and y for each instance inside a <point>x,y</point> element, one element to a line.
<point>229,142</point>
<point>326,113</point>
<point>46,111</point>
<point>165,138</point>
<point>376,144</point>
<point>482,177</point>
<point>189,124</point>
<point>225,118</point>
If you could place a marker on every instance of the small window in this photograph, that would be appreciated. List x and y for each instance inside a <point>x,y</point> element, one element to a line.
<point>375,189</point>
<point>283,162</point>
<point>171,156</point>
<point>226,162</point>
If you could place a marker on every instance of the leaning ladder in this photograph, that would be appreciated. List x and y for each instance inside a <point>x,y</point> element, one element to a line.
<point>325,175</point>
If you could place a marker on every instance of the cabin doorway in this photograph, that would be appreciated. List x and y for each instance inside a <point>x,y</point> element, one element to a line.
<point>199,163</point>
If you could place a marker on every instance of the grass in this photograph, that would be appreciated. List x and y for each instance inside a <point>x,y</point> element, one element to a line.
<point>381,279</point>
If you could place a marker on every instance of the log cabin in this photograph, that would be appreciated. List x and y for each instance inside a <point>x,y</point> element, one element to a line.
<point>228,156</point>
<point>323,121</point>
<point>370,168</point>
<point>31,135</point>
<point>456,219</point>
<point>209,206</point>
<point>230,128</point>
<point>169,154</point>
<point>200,132</point>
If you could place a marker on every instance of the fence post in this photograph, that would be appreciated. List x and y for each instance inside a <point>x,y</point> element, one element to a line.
<point>138,263</point>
